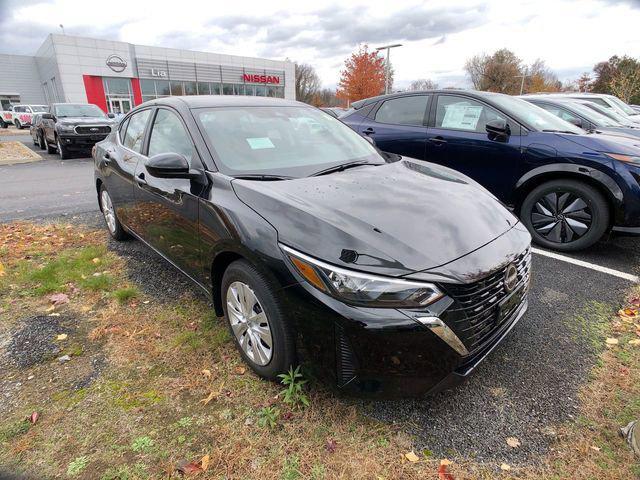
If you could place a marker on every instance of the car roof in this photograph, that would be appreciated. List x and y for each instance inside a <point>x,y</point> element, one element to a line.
<point>206,101</point>
<point>450,91</point>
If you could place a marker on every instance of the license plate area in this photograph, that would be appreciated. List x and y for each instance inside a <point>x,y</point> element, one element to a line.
<point>509,304</point>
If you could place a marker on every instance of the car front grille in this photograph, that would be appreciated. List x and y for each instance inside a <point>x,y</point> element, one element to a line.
<point>92,129</point>
<point>476,307</point>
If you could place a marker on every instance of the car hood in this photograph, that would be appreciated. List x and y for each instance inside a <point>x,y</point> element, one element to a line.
<point>85,121</point>
<point>619,131</point>
<point>602,142</point>
<point>391,219</point>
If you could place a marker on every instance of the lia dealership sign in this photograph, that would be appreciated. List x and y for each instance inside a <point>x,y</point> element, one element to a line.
<point>247,77</point>
<point>116,63</point>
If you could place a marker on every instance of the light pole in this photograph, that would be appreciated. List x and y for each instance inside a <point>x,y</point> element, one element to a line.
<point>386,66</point>
<point>524,75</point>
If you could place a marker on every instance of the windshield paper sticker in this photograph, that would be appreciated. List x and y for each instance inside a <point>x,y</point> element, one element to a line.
<point>461,116</point>
<point>259,143</point>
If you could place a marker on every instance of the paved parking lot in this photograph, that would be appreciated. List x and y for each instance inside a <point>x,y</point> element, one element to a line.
<point>525,389</point>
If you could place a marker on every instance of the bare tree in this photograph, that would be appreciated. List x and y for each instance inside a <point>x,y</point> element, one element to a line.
<point>307,82</point>
<point>540,78</point>
<point>475,67</point>
<point>625,81</point>
<point>423,84</point>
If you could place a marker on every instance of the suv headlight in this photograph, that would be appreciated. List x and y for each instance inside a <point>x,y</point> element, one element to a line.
<point>625,158</point>
<point>66,128</point>
<point>362,288</point>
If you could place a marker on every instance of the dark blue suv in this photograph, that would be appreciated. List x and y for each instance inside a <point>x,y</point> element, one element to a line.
<point>568,187</point>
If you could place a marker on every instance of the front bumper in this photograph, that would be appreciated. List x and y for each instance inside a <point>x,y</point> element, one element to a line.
<point>81,142</point>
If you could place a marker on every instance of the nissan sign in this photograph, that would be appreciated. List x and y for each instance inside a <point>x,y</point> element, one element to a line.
<point>116,63</point>
<point>247,77</point>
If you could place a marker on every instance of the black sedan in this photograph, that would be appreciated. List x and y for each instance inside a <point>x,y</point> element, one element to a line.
<point>393,276</point>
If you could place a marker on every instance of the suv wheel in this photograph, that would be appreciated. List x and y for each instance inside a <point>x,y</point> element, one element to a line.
<point>18,125</point>
<point>3,124</point>
<point>62,151</point>
<point>41,143</point>
<point>565,215</point>
<point>110,218</point>
<point>254,316</point>
<point>50,148</point>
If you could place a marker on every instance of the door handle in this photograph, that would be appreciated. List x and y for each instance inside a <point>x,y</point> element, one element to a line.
<point>438,141</point>
<point>369,131</point>
<point>106,158</point>
<point>140,180</point>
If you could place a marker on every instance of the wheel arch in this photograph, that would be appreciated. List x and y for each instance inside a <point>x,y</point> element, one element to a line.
<point>590,176</point>
<point>99,183</point>
<point>219,265</point>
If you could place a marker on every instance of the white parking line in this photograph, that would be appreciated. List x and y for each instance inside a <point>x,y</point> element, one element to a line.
<point>592,266</point>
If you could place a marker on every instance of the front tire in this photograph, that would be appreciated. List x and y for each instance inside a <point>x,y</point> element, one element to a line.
<point>42,144</point>
<point>565,215</point>
<point>110,218</point>
<point>256,320</point>
<point>62,151</point>
<point>18,124</point>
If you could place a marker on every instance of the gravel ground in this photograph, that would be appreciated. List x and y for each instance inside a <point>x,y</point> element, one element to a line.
<point>525,389</point>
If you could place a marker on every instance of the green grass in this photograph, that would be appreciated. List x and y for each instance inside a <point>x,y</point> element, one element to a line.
<point>75,266</point>
<point>123,295</point>
<point>77,466</point>
<point>13,430</point>
<point>142,444</point>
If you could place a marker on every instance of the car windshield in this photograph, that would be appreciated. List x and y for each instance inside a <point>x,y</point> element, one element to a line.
<point>621,105</point>
<point>608,112</point>
<point>39,108</point>
<point>533,116</point>
<point>283,141</point>
<point>70,110</point>
<point>595,117</point>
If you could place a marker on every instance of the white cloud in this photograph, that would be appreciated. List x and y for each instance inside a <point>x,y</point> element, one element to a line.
<point>438,37</point>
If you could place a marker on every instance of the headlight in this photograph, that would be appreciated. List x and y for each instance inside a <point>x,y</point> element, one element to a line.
<point>65,128</point>
<point>362,288</point>
<point>625,158</point>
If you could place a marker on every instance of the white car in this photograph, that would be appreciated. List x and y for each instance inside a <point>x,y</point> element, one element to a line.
<point>20,115</point>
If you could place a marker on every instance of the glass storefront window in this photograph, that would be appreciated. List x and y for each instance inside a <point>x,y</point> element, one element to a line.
<point>176,88</point>
<point>227,89</point>
<point>190,88</point>
<point>162,88</point>
<point>261,91</point>
<point>148,87</point>
<point>117,86</point>
<point>215,89</point>
<point>249,90</point>
<point>203,88</point>
<point>146,98</point>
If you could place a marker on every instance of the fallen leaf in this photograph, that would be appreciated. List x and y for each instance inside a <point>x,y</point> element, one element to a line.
<point>635,302</point>
<point>62,336</point>
<point>206,373</point>
<point>212,395</point>
<point>204,462</point>
<point>50,309</point>
<point>189,468</point>
<point>505,467</point>
<point>33,418</point>
<point>513,442</point>
<point>612,341</point>
<point>446,462</point>
<point>59,299</point>
<point>2,271</point>
<point>331,445</point>
<point>634,342</point>
<point>628,313</point>
<point>96,260</point>
<point>594,448</point>
<point>411,456</point>
<point>443,473</point>
<point>239,370</point>
<point>192,326</point>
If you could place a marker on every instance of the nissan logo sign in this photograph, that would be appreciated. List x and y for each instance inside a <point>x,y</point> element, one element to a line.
<point>116,63</point>
<point>511,278</point>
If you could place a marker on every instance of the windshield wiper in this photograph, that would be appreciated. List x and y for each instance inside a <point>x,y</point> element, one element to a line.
<point>560,131</point>
<point>258,176</point>
<point>340,168</point>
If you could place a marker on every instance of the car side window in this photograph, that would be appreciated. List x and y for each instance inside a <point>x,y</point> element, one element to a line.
<point>122,130</point>
<point>168,135</point>
<point>561,113</point>
<point>404,110</point>
<point>461,113</point>
<point>135,130</point>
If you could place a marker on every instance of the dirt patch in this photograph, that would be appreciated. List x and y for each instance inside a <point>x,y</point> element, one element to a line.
<point>11,130</point>
<point>16,152</point>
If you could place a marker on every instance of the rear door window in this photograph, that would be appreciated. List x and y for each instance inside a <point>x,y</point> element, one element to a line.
<point>135,130</point>
<point>461,113</point>
<point>404,110</point>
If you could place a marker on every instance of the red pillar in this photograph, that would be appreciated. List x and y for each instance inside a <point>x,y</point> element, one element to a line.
<point>95,91</point>
<point>137,93</point>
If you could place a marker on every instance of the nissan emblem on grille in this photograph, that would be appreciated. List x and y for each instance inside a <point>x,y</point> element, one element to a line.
<point>510,278</point>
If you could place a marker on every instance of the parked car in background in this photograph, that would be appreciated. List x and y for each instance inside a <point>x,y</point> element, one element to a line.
<point>569,188</point>
<point>582,116</point>
<point>335,112</point>
<point>610,102</point>
<point>618,117</point>
<point>20,115</point>
<point>74,127</point>
<point>37,131</point>
<point>310,237</point>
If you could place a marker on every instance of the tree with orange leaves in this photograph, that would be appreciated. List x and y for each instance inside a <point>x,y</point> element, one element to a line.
<point>362,77</point>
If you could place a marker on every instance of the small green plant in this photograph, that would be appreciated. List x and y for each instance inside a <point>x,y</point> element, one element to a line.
<point>77,466</point>
<point>268,417</point>
<point>141,444</point>
<point>125,472</point>
<point>185,422</point>
<point>382,442</point>
<point>13,430</point>
<point>294,393</point>
<point>123,295</point>
<point>291,468</point>
<point>317,472</point>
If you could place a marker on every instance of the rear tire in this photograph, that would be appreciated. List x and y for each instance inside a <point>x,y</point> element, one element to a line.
<point>258,319</point>
<point>565,215</point>
<point>3,124</point>
<point>18,124</point>
<point>110,217</point>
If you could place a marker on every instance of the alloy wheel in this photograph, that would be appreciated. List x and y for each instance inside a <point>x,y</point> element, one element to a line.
<point>249,323</point>
<point>107,211</point>
<point>561,217</point>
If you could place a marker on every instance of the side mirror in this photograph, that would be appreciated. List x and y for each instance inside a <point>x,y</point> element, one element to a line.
<point>111,115</point>
<point>577,122</point>
<point>170,165</point>
<point>498,129</point>
<point>48,116</point>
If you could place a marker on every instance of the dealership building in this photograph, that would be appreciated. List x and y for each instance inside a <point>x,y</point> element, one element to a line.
<point>117,76</point>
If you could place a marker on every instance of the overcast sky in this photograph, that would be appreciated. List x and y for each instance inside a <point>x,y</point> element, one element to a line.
<point>438,36</point>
